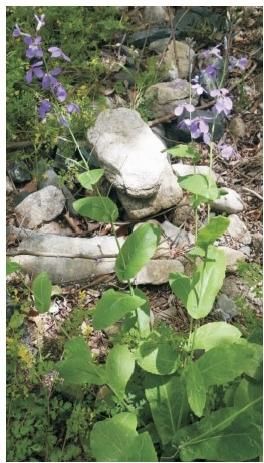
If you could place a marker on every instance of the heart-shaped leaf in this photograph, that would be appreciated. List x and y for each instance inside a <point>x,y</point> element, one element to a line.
<point>201,185</point>
<point>90,178</point>
<point>98,208</point>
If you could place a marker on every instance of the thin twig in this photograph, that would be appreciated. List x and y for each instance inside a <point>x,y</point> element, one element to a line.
<point>253,193</point>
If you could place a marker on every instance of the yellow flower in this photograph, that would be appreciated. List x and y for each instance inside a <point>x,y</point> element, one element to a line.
<point>86,329</point>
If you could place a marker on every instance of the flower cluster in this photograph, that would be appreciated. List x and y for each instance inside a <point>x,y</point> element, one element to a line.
<point>47,78</point>
<point>227,152</point>
<point>240,63</point>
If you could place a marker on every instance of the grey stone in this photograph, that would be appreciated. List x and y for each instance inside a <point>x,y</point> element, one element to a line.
<point>165,96</point>
<point>231,286</point>
<point>246,250</point>
<point>226,308</point>
<point>180,237</point>
<point>186,169</point>
<point>42,206</point>
<point>183,213</point>
<point>9,186</point>
<point>129,152</point>
<point>257,242</point>
<point>19,172</point>
<point>159,45</point>
<point>156,272</point>
<point>230,203</point>
<point>168,195</point>
<point>232,258</point>
<point>238,127</point>
<point>155,14</point>
<point>184,55</point>
<point>51,178</point>
<point>54,228</point>
<point>238,230</point>
<point>144,37</point>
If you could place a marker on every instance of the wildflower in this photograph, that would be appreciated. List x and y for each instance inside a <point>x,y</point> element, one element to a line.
<point>58,53</point>
<point>60,93</point>
<point>210,71</point>
<point>26,356</point>
<point>198,89</point>
<point>227,151</point>
<point>34,71</point>
<point>223,103</point>
<point>17,31</point>
<point>49,80</point>
<point>198,127</point>
<point>44,108</point>
<point>240,63</point>
<point>86,329</point>
<point>179,109</point>
<point>212,52</point>
<point>73,108</point>
<point>64,121</point>
<point>40,21</point>
<point>34,50</point>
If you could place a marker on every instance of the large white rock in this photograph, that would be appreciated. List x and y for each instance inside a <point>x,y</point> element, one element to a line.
<point>238,230</point>
<point>157,272</point>
<point>42,206</point>
<point>230,203</point>
<point>129,151</point>
<point>233,256</point>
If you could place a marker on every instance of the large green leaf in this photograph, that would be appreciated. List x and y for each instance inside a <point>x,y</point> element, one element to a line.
<point>116,439</point>
<point>143,315</point>
<point>41,288</point>
<point>184,151</point>
<point>156,357</point>
<point>78,366</point>
<point>12,267</point>
<point>98,208</point>
<point>90,178</point>
<point>195,387</point>
<point>112,306</point>
<point>212,231</point>
<point>254,370</point>
<point>120,364</point>
<point>198,293</point>
<point>201,185</point>
<point>246,392</point>
<point>229,434</point>
<point>213,334</point>
<point>168,404</point>
<point>206,283</point>
<point>137,250</point>
<point>224,363</point>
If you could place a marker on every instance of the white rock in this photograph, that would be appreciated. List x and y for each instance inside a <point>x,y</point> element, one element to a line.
<point>186,169</point>
<point>232,258</point>
<point>230,203</point>
<point>54,228</point>
<point>165,96</point>
<point>42,206</point>
<point>179,236</point>
<point>168,195</point>
<point>184,56</point>
<point>155,14</point>
<point>238,230</point>
<point>156,272</point>
<point>129,151</point>
<point>9,186</point>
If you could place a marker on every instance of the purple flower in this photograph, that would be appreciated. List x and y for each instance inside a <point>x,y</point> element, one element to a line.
<point>40,21</point>
<point>44,108</point>
<point>34,50</point>
<point>241,63</point>
<point>210,71</point>
<point>60,93</point>
<point>198,89</point>
<point>35,70</point>
<point>212,52</point>
<point>223,103</point>
<point>49,80</point>
<point>179,109</point>
<point>198,127</point>
<point>73,108</point>
<point>58,53</point>
<point>64,121</point>
<point>227,152</point>
<point>16,32</point>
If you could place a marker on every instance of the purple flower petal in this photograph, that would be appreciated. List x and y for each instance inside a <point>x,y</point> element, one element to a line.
<point>29,76</point>
<point>28,39</point>
<point>58,53</point>
<point>73,108</point>
<point>64,121</point>
<point>61,93</point>
<point>44,108</point>
<point>38,72</point>
<point>178,110</point>
<point>56,71</point>
<point>16,32</point>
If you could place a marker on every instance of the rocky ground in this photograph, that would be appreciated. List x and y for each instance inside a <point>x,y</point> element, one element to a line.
<point>44,233</point>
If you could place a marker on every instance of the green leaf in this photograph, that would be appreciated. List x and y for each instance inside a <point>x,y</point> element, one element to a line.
<point>246,392</point>
<point>229,434</point>
<point>213,334</point>
<point>157,358</point>
<point>112,306</point>
<point>98,208</point>
<point>137,250</point>
<point>116,439</point>
<point>212,231</point>
<point>206,283</point>
<point>16,320</point>
<point>89,178</point>
<point>198,293</point>
<point>254,370</point>
<point>41,288</point>
<point>184,151</point>
<point>78,366</point>
<point>168,404</point>
<point>12,267</point>
<point>195,387</point>
<point>120,364</point>
<point>201,185</point>
<point>224,363</point>
<point>143,315</point>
